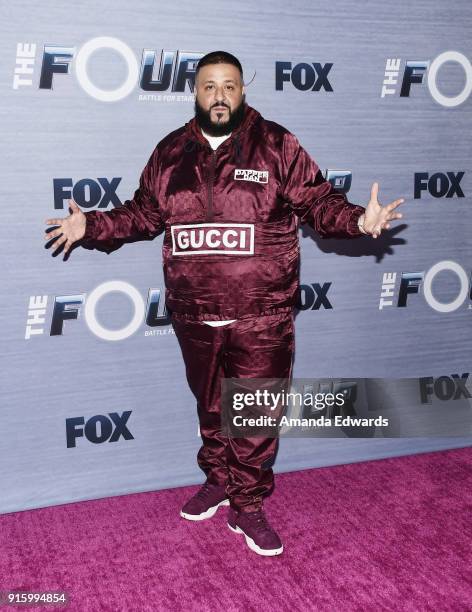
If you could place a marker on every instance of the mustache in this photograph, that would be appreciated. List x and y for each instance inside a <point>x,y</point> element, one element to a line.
<point>204,117</point>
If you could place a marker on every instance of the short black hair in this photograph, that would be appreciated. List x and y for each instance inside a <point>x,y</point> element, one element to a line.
<point>219,57</point>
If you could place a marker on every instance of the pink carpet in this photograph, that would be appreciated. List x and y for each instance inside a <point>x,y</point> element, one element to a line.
<point>393,534</point>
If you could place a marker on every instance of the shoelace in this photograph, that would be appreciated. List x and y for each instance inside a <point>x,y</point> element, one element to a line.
<point>260,521</point>
<point>204,491</point>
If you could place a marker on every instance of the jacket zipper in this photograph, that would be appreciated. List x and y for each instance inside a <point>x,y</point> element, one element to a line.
<point>210,186</point>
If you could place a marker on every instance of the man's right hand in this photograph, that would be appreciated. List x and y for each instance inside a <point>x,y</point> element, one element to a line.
<point>70,230</point>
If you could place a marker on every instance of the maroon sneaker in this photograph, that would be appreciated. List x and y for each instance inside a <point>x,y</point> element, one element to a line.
<point>205,502</point>
<point>260,537</point>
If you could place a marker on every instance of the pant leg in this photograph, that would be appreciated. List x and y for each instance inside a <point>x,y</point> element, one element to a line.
<point>202,350</point>
<point>260,347</point>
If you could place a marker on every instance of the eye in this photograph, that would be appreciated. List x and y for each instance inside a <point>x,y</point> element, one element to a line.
<point>208,86</point>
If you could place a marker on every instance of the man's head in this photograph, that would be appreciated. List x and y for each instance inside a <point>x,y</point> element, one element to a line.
<point>219,93</point>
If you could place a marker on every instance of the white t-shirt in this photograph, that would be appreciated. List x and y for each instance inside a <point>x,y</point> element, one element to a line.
<point>215,141</point>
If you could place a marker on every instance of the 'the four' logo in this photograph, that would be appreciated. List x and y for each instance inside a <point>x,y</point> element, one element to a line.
<point>420,72</point>
<point>176,69</point>
<point>411,282</point>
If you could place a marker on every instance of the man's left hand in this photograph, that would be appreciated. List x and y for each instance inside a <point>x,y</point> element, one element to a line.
<point>377,217</point>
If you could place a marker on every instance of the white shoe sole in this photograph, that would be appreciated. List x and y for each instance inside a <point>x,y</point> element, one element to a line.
<point>204,515</point>
<point>253,546</point>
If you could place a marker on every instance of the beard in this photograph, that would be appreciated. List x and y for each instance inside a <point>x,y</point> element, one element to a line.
<point>220,129</point>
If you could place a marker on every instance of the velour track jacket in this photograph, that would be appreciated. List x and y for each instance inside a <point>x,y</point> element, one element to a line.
<point>230,217</point>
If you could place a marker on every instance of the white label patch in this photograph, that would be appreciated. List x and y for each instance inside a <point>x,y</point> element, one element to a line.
<point>206,238</point>
<point>257,176</point>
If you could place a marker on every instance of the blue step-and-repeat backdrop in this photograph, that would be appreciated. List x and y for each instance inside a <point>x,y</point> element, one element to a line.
<point>374,92</point>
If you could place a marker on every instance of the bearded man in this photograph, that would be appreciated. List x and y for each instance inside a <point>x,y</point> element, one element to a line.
<point>229,190</point>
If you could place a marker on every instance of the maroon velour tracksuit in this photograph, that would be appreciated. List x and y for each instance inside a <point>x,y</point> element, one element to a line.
<point>231,218</point>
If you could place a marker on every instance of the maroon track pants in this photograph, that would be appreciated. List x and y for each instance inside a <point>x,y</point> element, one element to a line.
<point>261,346</point>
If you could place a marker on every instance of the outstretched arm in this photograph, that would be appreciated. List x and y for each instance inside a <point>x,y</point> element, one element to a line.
<point>137,219</point>
<point>328,211</point>
<point>313,198</point>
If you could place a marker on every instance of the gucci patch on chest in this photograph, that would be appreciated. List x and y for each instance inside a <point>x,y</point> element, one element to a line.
<point>206,238</point>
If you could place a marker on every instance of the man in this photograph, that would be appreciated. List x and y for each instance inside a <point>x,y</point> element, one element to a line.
<point>229,189</point>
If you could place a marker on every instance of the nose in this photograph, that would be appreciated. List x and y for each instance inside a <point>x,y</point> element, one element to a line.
<point>220,96</point>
